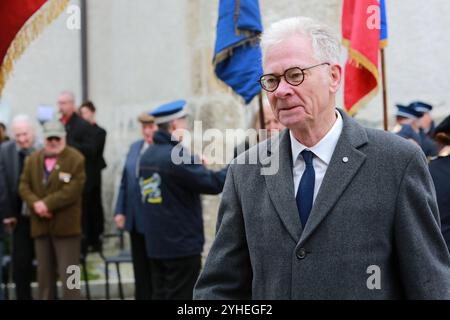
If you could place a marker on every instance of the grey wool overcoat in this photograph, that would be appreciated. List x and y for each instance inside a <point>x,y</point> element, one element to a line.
<point>373,232</point>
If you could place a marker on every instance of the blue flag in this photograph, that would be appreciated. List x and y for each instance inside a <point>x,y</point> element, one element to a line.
<point>384,29</point>
<point>237,55</point>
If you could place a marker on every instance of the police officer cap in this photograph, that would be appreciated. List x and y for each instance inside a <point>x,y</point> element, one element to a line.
<point>169,111</point>
<point>421,106</point>
<point>408,112</point>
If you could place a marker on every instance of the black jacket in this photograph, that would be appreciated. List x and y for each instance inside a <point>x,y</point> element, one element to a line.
<point>172,210</point>
<point>440,172</point>
<point>81,136</point>
<point>98,161</point>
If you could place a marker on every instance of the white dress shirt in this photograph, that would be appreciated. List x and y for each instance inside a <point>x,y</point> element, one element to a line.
<point>323,151</point>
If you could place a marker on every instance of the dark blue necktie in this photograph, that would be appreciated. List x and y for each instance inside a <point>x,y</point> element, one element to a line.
<point>305,193</point>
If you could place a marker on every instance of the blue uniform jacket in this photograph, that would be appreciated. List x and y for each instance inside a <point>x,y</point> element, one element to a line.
<point>172,205</point>
<point>129,200</point>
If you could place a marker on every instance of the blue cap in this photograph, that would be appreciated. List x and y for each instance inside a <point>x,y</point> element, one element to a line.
<point>408,112</point>
<point>421,106</point>
<point>169,111</point>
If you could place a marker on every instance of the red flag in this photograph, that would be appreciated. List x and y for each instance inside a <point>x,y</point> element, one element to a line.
<point>361,35</point>
<point>20,23</point>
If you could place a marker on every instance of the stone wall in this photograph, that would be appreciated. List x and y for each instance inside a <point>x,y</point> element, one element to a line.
<point>143,53</point>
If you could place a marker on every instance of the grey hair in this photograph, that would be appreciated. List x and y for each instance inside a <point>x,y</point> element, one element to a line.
<point>23,118</point>
<point>68,93</point>
<point>325,42</point>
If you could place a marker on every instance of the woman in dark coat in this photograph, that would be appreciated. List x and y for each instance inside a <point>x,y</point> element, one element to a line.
<point>93,215</point>
<point>440,171</point>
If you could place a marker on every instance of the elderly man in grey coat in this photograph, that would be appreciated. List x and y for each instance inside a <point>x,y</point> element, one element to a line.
<point>350,213</point>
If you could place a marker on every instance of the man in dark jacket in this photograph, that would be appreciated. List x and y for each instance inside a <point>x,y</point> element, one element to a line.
<point>128,214</point>
<point>172,206</point>
<point>440,172</point>
<point>16,218</point>
<point>93,216</point>
<point>426,128</point>
<point>80,135</point>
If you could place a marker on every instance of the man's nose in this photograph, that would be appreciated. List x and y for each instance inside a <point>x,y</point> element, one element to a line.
<point>284,89</point>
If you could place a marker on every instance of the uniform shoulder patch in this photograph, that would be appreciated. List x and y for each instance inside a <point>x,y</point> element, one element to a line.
<point>151,189</point>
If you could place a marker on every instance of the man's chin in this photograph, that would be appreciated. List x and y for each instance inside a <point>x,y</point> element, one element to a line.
<point>293,122</point>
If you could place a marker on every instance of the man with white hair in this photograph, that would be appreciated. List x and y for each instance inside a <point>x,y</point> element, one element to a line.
<point>15,216</point>
<point>350,214</point>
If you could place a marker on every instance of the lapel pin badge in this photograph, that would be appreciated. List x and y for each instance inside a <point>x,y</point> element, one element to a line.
<point>345,159</point>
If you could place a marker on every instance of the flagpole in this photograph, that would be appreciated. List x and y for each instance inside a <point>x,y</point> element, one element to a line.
<point>383,77</point>
<point>261,112</point>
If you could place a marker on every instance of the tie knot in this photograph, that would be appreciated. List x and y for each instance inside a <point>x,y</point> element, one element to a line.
<point>308,157</point>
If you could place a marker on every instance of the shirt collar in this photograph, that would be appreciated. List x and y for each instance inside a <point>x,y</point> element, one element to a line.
<point>325,147</point>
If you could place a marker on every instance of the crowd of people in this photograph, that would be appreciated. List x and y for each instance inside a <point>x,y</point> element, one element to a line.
<point>51,195</point>
<point>344,198</point>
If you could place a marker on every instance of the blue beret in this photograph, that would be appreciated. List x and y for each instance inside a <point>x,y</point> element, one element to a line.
<point>169,111</point>
<point>421,106</point>
<point>408,112</point>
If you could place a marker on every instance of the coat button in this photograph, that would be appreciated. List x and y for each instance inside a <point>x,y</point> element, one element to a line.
<point>301,254</point>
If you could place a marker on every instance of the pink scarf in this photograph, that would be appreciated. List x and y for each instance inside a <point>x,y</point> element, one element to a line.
<point>50,163</point>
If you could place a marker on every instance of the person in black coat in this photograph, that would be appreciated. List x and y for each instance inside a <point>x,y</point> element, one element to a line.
<point>440,172</point>
<point>81,136</point>
<point>94,219</point>
<point>172,210</point>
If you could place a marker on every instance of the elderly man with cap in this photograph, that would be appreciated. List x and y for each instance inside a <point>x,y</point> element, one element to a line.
<point>440,172</point>
<point>426,128</point>
<point>128,212</point>
<point>172,206</point>
<point>51,185</point>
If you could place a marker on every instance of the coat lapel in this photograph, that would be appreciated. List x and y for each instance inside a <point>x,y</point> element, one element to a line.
<point>344,165</point>
<point>280,186</point>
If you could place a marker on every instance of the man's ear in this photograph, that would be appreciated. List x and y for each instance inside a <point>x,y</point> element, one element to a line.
<point>335,77</point>
<point>173,125</point>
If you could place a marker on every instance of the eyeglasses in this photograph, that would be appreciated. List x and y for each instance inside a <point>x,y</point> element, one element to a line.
<point>50,139</point>
<point>294,76</point>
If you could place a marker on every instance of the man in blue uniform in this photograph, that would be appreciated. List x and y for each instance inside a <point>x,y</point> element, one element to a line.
<point>407,123</point>
<point>170,192</point>
<point>426,128</point>
<point>426,121</point>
